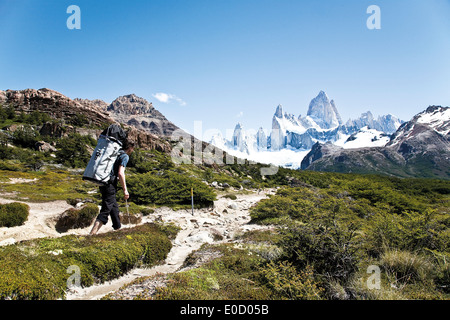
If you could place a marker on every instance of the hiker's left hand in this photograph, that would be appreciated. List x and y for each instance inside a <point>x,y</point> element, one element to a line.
<point>126,195</point>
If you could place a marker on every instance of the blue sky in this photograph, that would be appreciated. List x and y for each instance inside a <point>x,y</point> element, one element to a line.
<point>224,61</point>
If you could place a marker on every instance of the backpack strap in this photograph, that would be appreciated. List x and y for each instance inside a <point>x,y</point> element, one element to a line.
<point>113,176</point>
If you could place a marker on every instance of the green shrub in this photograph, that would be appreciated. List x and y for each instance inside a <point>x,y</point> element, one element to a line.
<point>405,267</point>
<point>37,269</point>
<point>411,231</point>
<point>235,275</point>
<point>442,263</point>
<point>72,151</point>
<point>283,278</point>
<point>333,250</point>
<point>75,219</point>
<point>13,214</point>
<point>36,118</point>
<point>10,166</point>
<point>169,188</point>
<point>26,137</point>
<point>230,196</point>
<point>147,211</point>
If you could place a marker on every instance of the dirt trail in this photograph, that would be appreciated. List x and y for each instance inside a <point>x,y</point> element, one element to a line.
<point>220,223</point>
<point>39,223</point>
<point>226,219</point>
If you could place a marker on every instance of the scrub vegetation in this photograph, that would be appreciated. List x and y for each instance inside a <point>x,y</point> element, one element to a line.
<point>37,269</point>
<point>328,229</point>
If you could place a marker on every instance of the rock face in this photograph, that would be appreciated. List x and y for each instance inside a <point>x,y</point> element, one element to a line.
<point>141,114</point>
<point>53,103</point>
<point>239,138</point>
<point>324,112</point>
<point>261,139</point>
<point>321,124</point>
<point>148,141</point>
<point>387,123</point>
<point>419,148</point>
<point>318,151</point>
<point>133,105</point>
<point>95,104</point>
<point>63,108</point>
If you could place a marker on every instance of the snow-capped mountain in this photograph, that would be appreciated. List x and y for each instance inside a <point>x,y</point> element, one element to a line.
<point>324,112</point>
<point>433,119</point>
<point>366,137</point>
<point>387,123</point>
<point>298,134</point>
<point>419,148</point>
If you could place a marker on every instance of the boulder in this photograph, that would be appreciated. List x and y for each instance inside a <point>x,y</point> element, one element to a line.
<point>44,146</point>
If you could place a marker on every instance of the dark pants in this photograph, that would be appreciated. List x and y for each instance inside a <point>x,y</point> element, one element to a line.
<point>109,206</point>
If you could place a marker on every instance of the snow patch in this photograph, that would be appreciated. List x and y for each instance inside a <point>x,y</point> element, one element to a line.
<point>366,137</point>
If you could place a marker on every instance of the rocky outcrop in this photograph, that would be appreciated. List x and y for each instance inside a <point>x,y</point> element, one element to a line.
<point>139,113</point>
<point>63,108</point>
<point>148,141</point>
<point>261,139</point>
<point>44,146</point>
<point>96,104</point>
<point>53,103</point>
<point>52,129</point>
<point>317,152</point>
<point>134,105</point>
<point>324,112</point>
<point>239,138</point>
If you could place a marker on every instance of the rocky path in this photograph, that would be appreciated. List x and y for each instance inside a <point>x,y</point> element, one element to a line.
<point>222,223</point>
<point>218,224</point>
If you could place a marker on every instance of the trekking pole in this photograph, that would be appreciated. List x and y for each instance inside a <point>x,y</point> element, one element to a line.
<point>128,212</point>
<point>192,200</point>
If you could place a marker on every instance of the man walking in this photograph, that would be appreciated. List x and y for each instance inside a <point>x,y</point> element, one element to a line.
<point>108,191</point>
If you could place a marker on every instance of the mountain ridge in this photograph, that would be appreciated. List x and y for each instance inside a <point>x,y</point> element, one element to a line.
<point>419,148</point>
<point>322,123</point>
<point>59,106</point>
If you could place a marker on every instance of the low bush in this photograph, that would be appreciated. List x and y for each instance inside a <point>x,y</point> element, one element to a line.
<point>403,267</point>
<point>442,263</point>
<point>332,249</point>
<point>26,136</point>
<point>76,219</point>
<point>230,196</point>
<point>169,188</point>
<point>284,279</point>
<point>37,269</point>
<point>73,152</point>
<point>13,214</point>
<point>235,275</point>
<point>410,231</point>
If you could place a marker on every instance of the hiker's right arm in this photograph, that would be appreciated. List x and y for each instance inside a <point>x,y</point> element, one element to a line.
<point>123,182</point>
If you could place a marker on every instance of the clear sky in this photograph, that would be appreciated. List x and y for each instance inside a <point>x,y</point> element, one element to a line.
<point>224,61</point>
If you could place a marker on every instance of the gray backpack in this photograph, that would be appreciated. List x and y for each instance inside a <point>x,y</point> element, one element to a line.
<point>105,154</point>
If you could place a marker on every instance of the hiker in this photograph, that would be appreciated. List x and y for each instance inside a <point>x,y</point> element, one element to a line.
<point>108,191</point>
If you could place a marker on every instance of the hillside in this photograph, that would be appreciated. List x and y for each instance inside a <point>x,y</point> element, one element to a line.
<point>289,235</point>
